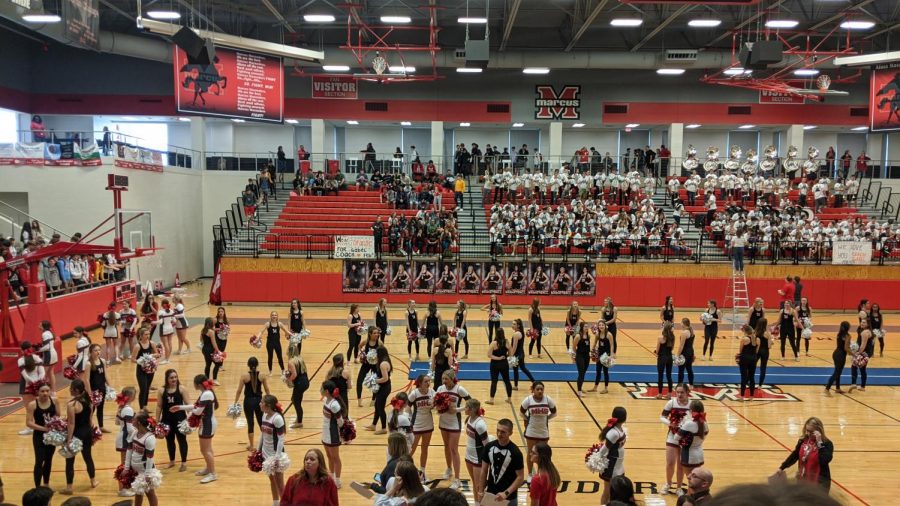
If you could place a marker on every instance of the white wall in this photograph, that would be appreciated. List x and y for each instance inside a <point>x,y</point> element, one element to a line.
<point>481,136</point>
<point>894,148</point>
<point>385,140</point>
<point>702,138</point>
<point>255,138</point>
<point>180,135</point>
<point>219,137</point>
<point>63,124</point>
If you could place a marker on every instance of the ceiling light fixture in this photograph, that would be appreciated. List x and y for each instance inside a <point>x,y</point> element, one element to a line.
<point>736,71</point>
<point>693,126</point>
<point>746,127</point>
<point>41,17</point>
<point>857,25</point>
<point>868,59</point>
<point>352,122</point>
<point>164,14</point>
<point>809,127</point>
<point>469,70</point>
<point>632,125</point>
<point>401,70</point>
<point>335,68</point>
<point>472,21</point>
<point>806,72</point>
<point>782,23</point>
<point>859,128</point>
<point>626,22</point>
<point>670,72</point>
<point>318,18</point>
<point>465,124</point>
<point>518,125</point>
<point>184,119</point>
<point>291,121</point>
<point>577,125</point>
<point>395,19</point>
<point>406,123</point>
<point>237,120</point>
<point>704,23</point>
<point>535,70</point>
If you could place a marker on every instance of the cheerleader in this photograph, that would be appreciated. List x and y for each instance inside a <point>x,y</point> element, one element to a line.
<point>518,347</point>
<point>341,377</point>
<point>272,330</point>
<point>672,415</point>
<point>173,393</point>
<point>205,408</point>
<point>271,441</point>
<point>399,421</point>
<point>295,314</point>
<point>82,349</point>
<point>149,312</point>
<point>181,326</point>
<point>609,316</point>
<point>124,419</point>
<point>804,314</point>
<point>756,312</point>
<point>144,379</point>
<point>690,437</point>
<point>78,416</point>
<point>667,311</point>
<point>747,359</point>
<point>166,318</point>
<point>612,438</point>
<point>110,323</point>
<point>354,331</point>
<point>686,350</point>
<point>875,323</point>
<point>460,324</point>
<point>602,346</point>
<point>381,317</point>
<point>209,347</point>
<point>383,369</point>
<point>710,329</point>
<point>573,316</point>
<point>252,385</point>
<point>860,362</point>
<point>765,340</point>
<point>95,377</point>
<point>476,439</point>
<point>839,356</point>
<point>412,328</point>
<point>787,329</point>
<point>334,414</point>
<point>48,354</point>
<point>38,411</point>
<point>450,423</point>
<point>421,399</point>
<point>663,352</point>
<point>442,360</point>
<point>582,350</point>
<point>537,326</point>
<point>493,306</point>
<point>537,409</point>
<point>129,320</point>
<point>371,344</point>
<point>299,380</point>
<point>32,362</point>
<point>222,328</point>
<point>433,324</point>
<point>498,353</point>
<point>140,455</point>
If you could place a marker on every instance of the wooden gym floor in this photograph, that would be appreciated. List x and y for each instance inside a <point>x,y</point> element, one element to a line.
<point>864,426</point>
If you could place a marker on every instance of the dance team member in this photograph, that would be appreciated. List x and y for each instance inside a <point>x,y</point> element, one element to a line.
<point>252,385</point>
<point>537,409</point>
<point>341,377</point>
<point>78,417</point>
<point>37,412</point>
<point>766,340</point>
<point>875,323</point>
<point>462,315</point>
<point>31,376</point>
<point>295,316</point>
<point>788,329</point>
<point>149,312</point>
<point>711,329</point>
<point>140,455</point>
<point>804,313</point>
<point>125,420</point>
<point>222,328</point>
<point>602,346</point>
<point>442,360</point>
<point>181,326</point>
<point>613,439</point>
<point>839,356</point>
<point>582,357</point>
<point>421,399</point>
<point>144,379</point>
<point>333,418</point>
<point>110,323</point>
<point>272,331</point>
<point>300,383</point>
<point>210,346</point>
<point>271,441</point>
<point>205,408</point>
<point>609,316</point>
<point>383,369</point>
<point>518,345</point>
<point>667,311</point>
<point>95,377</point>
<point>573,316</point>
<point>412,329</point>
<point>432,325</point>
<point>476,439</point>
<point>747,358</point>
<point>399,421</point>
<point>861,358</point>
<point>686,350</point>
<point>450,423</point>
<point>381,317</point>
<point>498,353</point>
<point>756,312</point>
<point>673,414</point>
<point>664,345</point>
<point>354,331</point>
<point>173,393</point>
<point>82,349</point>
<point>47,352</point>
<point>537,326</point>
<point>371,344</point>
<point>493,306</point>
<point>129,320</point>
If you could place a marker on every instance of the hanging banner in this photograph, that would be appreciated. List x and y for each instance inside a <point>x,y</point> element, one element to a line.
<point>337,87</point>
<point>138,158</point>
<point>30,153</point>
<point>884,98</point>
<point>87,156</point>
<point>82,22</point>
<point>775,97</point>
<point>62,154</point>
<point>851,253</point>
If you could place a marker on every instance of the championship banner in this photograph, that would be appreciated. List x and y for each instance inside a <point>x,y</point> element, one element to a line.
<point>82,22</point>
<point>336,87</point>
<point>129,157</point>
<point>354,246</point>
<point>884,98</point>
<point>851,253</point>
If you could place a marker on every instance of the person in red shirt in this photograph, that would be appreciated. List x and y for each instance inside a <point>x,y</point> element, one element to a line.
<point>545,482</point>
<point>584,158</point>
<point>312,485</point>
<point>664,156</point>
<point>787,291</point>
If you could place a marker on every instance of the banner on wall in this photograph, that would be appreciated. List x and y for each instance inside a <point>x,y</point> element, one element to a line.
<point>82,22</point>
<point>884,98</point>
<point>851,253</point>
<point>425,277</point>
<point>63,154</point>
<point>22,153</point>
<point>355,276</point>
<point>129,157</point>
<point>564,104</point>
<point>354,246</point>
<point>337,87</point>
<point>377,276</point>
<point>87,156</point>
<point>776,97</point>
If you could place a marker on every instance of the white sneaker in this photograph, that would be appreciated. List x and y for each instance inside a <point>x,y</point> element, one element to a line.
<point>448,473</point>
<point>665,489</point>
<point>337,482</point>
<point>680,492</point>
<point>26,431</point>
<point>456,485</point>
<point>126,492</point>
<point>164,361</point>
<point>209,478</point>
<point>202,472</point>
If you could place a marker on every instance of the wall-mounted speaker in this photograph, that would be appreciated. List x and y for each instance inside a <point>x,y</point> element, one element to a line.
<point>197,50</point>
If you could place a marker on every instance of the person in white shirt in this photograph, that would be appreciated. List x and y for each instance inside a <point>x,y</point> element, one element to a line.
<point>710,207</point>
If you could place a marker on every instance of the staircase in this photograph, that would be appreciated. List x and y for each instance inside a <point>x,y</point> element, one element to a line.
<point>247,239</point>
<point>473,231</point>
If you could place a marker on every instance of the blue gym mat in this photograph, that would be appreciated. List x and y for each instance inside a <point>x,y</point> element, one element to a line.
<point>775,375</point>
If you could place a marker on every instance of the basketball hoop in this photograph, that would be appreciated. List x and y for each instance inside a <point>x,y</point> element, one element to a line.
<point>823,82</point>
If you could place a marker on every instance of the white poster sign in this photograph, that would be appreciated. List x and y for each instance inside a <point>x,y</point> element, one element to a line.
<point>354,246</point>
<point>851,253</point>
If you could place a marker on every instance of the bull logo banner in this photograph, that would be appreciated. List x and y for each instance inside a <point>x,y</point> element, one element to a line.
<point>566,104</point>
<point>884,98</point>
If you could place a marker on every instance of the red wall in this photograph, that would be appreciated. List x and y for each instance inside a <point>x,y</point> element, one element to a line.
<point>717,113</point>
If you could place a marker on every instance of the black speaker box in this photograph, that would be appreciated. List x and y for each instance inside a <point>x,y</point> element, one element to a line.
<point>193,45</point>
<point>766,52</point>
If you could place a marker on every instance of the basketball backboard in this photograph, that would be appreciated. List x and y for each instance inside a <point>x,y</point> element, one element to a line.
<point>134,231</point>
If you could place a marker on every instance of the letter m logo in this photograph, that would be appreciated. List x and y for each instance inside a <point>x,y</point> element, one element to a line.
<point>548,104</point>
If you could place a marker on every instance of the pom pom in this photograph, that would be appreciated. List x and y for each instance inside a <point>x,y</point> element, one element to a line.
<point>854,347</point>
<point>431,375</point>
<point>412,335</point>
<point>461,334</point>
<point>775,330</point>
<point>878,333</point>
<point>223,330</point>
<point>33,386</point>
<point>513,361</point>
<point>442,402</point>
<point>570,330</point>
<point>111,394</point>
<point>453,332</point>
<point>594,460</point>
<point>55,438</point>
<point>594,328</point>
<point>296,338</point>
<point>147,481</point>
<point>348,432</point>
<point>56,423</point>
<point>125,476</point>
<point>363,329</point>
<point>234,411</point>
<point>606,360</point>
<point>286,378</point>
<point>185,428</point>
<point>706,318</point>
<point>545,331</point>
<point>70,373</point>
<point>161,430</point>
<point>278,463</point>
<point>371,382</point>
<point>806,334</point>
<point>219,357</point>
<point>807,323</point>
<point>675,418</point>
<point>532,334</point>
<point>861,359</point>
<point>255,341</point>
<point>148,363</point>
<point>68,451</point>
<point>595,354</point>
<point>304,334</point>
<point>96,435</point>
<point>494,316</point>
<point>388,331</point>
<point>372,357</point>
<point>71,359</point>
<point>255,461</point>
<point>97,397</point>
<point>679,360</point>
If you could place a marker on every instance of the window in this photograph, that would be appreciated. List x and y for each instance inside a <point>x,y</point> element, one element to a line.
<point>146,135</point>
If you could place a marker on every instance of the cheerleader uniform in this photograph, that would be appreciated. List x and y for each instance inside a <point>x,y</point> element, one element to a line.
<point>128,317</point>
<point>331,423</point>
<point>404,426</point>
<point>97,381</point>
<point>82,347</point>
<point>180,320</point>
<point>296,325</point>
<point>111,328</point>
<point>538,325</point>
<point>167,400</point>
<point>604,346</point>
<point>431,330</point>
<point>31,380</point>
<point>205,409</point>
<point>492,325</point>
<point>458,323</point>
<point>252,398</point>
<point>664,363</point>
<point>710,333</point>
<point>571,322</point>
<point>273,345</point>
<point>166,319</point>
<point>537,417</point>
<point>381,321</point>
<point>271,440</point>
<point>747,363</point>
<point>84,432</point>
<point>125,418</point>
<point>48,348</point>
<point>353,337</point>
<point>144,379</point>
<point>520,357</point>
<point>477,437</point>
<point>839,356</point>
<point>672,415</point>
<point>609,314</point>
<point>668,314</point>
<point>23,383</point>
<point>412,327</point>
<point>690,437</point>
<point>140,455</point>
<point>43,453</point>
<point>452,422</point>
<point>582,359</point>
<point>207,349</point>
<point>687,351</point>
<point>613,450</point>
<point>422,404</point>
<point>364,367</point>
<point>788,332</point>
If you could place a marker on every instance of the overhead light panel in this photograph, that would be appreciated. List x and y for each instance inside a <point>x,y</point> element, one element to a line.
<point>41,17</point>
<point>746,127</point>
<point>670,72</point>
<point>868,59</point>
<point>469,70</point>
<point>352,122</point>
<point>291,121</point>
<point>465,124</point>
<point>632,125</point>
<point>806,72</point>
<point>402,70</point>
<point>859,129</point>
<point>782,23</point>
<point>736,71</point>
<point>395,20</point>
<point>129,118</point>
<point>518,125</point>
<point>237,120</point>
<point>335,68</point>
<point>318,18</point>
<point>626,22</point>
<point>693,126</point>
<point>472,21</point>
<point>809,127</point>
<point>184,119</point>
<point>858,24</point>
<point>535,70</point>
<point>155,14</point>
<point>577,125</point>
<point>406,123</point>
<point>704,23</point>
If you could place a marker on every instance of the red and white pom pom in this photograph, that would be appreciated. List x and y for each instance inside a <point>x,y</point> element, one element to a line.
<point>256,341</point>
<point>97,397</point>
<point>594,460</point>
<point>219,357</point>
<point>125,476</point>
<point>161,430</point>
<point>71,359</point>
<point>278,463</point>
<point>70,373</point>
<point>348,432</point>
<point>442,402</point>
<point>255,461</point>
<point>147,481</point>
<point>96,435</point>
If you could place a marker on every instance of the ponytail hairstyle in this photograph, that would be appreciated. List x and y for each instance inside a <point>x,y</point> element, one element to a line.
<point>272,403</point>
<point>381,353</point>
<point>337,367</point>
<point>398,403</point>
<point>110,315</point>
<point>79,393</point>
<point>520,327</point>
<point>619,416</point>
<point>128,393</point>
<point>545,464</point>
<point>202,382</point>
<point>687,324</point>
<point>862,305</point>
<point>535,305</point>
<point>668,303</point>
<point>461,305</point>
<point>142,419</point>
<point>45,325</point>
<point>330,389</point>
<point>208,325</point>
<point>844,330</point>
<point>443,331</point>
<point>252,365</point>
<point>500,337</point>
<point>432,308</point>
<point>474,407</point>
<point>668,334</point>
<point>30,363</point>
<point>760,331</point>
<point>699,415</point>
<point>354,308</point>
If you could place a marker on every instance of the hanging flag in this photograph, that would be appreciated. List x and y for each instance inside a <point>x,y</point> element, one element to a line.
<point>215,291</point>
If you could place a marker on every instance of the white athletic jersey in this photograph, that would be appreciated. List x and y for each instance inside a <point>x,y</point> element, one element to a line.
<point>21,361</point>
<point>614,450</point>
<point>453,421</point>
<point>180,321</point>
<point>692,454</point>
<point>34,376</point>
<point>48,347</point>
<point>404,426</point>
<point>110,331</point>
<point>331,422</point>
<point>124,418</point>
<point>82,356</point>
<point>422,404</point>
<point>271,441</point>
<point>140,452</point>
<point>674,412</point>
<point>537,416</point>
<point>166,321</point>
<point>476,439</point>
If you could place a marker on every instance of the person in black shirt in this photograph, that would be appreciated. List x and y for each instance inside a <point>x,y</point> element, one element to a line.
<point>378,233</point>
<point>504,471</point>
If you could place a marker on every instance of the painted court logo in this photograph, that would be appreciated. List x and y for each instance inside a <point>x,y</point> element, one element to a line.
<point>552,105</point>
<point>712,392</point>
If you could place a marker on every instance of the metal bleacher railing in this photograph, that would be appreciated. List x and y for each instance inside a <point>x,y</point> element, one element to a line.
<point>107,143</point>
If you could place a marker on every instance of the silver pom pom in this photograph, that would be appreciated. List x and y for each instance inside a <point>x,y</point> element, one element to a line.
<point>461,334</point>
<point>806,334</point>
<point>371,382</point>
<point>513,361</point>
<point>596,462</point>
<point>372,357</point>
<point>296,338</point>
<point>607,361</point>
<point>679,360</point>
<point>185,428</point>
<point>110,393</point>
<point>147,481</point>
<point>234,411</point>
<point>68,451</point>
<point>55,438</point>
<point>276,464</point>
<point>545,331</point>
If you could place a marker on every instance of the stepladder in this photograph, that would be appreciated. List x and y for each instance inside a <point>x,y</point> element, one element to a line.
<point>739,297</point>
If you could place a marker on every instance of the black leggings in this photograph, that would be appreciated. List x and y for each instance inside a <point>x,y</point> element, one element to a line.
<point>789,334</point>
<point>602,369</point>
<point>182,443</point>
<point>465,341</point>
<point>880,345</point>
<point>862,373</point>
<point>207,358</point>
<point>521,365</point>
<point>353,339</point>
<point>429,339</point>
<point>614,331</point>
<point>806,345</point>
<point>492,325</point>
<point>252,411</point>
<point>663,363</point>
<point>99,410</point>
<point>409,346</point>
<point>500,368</point>
<point>709,339</point>
<point>88,461</point>
<point>689,367</point>
<point>384,391</point>
<point>364,369</point>
<point>297,398</point>
<point>581,362</point>
<point>839,360</point>
<point>144,381</point>
<point>748,371</point>
<point>535,340</point>
<point>273,346</point>
<point>43,461</point>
